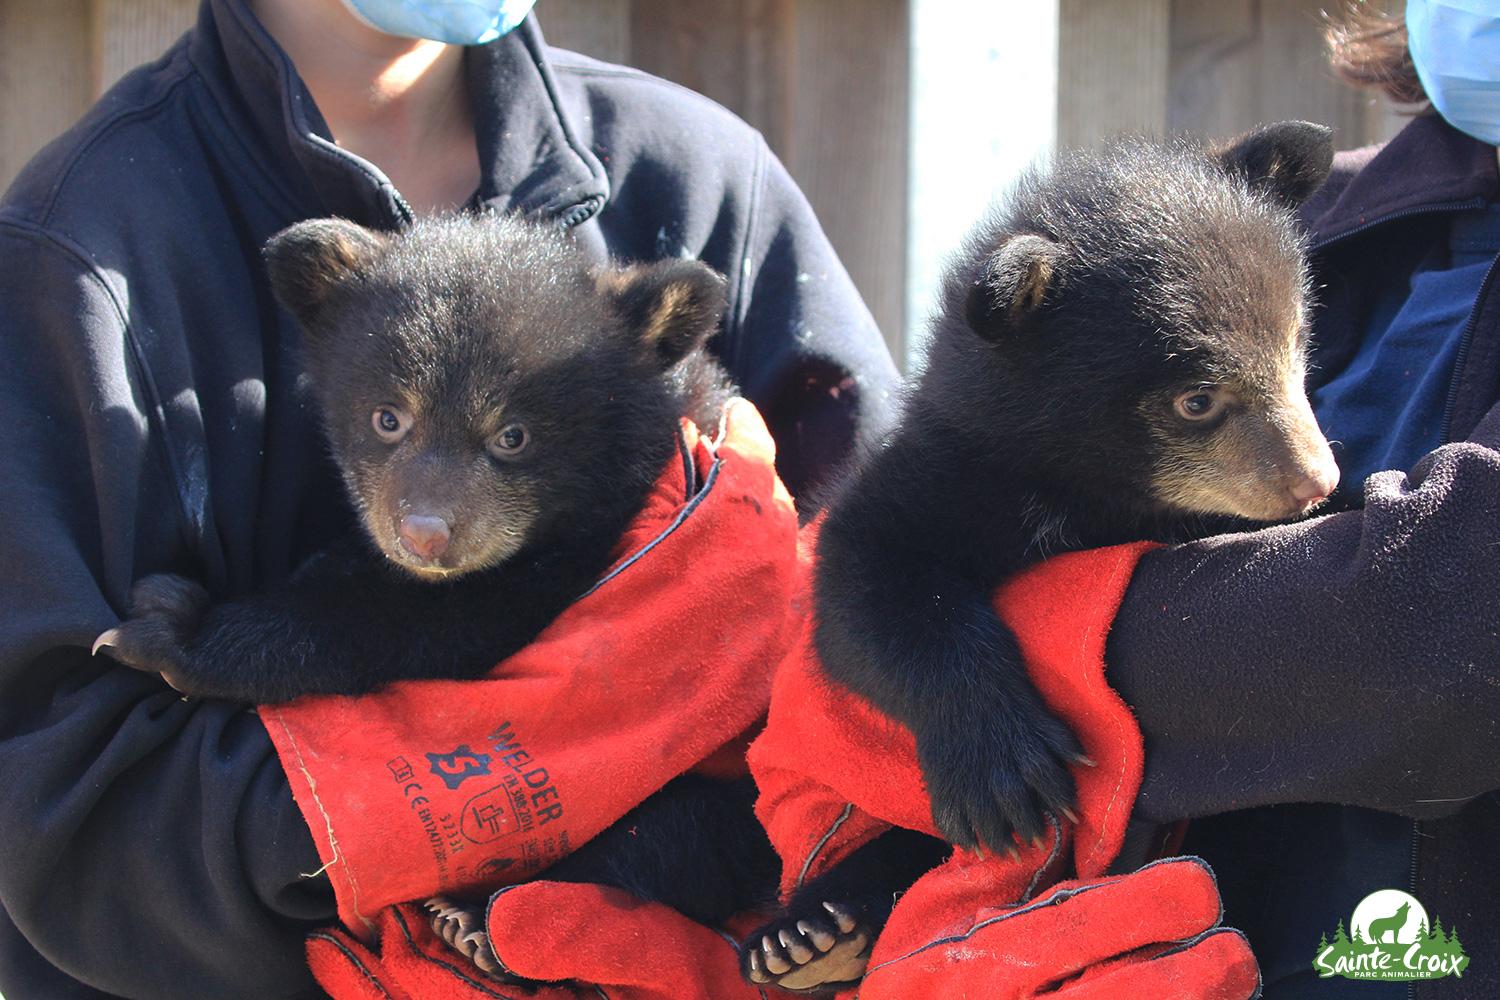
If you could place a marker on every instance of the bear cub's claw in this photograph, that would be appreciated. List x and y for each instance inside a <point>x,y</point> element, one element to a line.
<point>992,787</point>
<point>814,952</point>
<point>165,611</point>
<point>462,927</point>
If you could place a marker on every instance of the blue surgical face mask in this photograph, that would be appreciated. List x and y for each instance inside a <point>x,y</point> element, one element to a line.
<point>457,22</point>
<point>1455,45</point>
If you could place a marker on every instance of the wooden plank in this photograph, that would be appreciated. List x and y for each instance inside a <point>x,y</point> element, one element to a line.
<point>847,142</point>
<point>737,52</point>
<point>44,75</point>
<point>598,28</point>
<point>127,33</point>
<point>1112,62</point>
<point>825,81</point>
<point>1237,63</point>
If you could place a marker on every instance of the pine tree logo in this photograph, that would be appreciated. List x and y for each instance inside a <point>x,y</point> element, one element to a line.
<point>1391,938</point>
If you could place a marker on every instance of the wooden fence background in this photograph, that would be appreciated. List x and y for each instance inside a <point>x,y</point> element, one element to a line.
<point>827,81</point>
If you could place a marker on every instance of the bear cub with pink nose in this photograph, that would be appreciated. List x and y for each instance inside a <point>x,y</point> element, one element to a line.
<point>498,408</point>
<point>1118,354</point>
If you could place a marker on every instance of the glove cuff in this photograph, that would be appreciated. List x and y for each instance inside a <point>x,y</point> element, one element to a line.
<point>1061,612</point>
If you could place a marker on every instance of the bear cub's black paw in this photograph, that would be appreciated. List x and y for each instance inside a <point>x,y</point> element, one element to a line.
<point>993,787</point>
<point>822,950</point>
<point>165,612</point>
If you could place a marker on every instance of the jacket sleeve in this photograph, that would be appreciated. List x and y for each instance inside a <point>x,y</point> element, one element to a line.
<point>1351,659</point>
<point>803,345</point>
<point>152,847</point>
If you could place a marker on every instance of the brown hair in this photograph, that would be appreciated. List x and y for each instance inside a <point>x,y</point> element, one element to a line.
<point>1367,49</point>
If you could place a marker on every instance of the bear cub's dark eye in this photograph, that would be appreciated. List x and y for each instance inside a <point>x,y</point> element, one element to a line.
<point>391,423</point>
<point>1198,404</point>
<point>510,442</point>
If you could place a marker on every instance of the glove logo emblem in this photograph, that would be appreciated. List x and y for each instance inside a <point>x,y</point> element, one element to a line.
<point>459,765</point>
<point>1391,938</point>
<point>488,816</point>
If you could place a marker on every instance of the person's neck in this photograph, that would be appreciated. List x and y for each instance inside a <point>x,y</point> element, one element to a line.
<point>400,103</point>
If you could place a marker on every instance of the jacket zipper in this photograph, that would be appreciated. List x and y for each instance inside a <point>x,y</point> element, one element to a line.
<point>405,216</point>
<point>1427,209</point>
<point>1411,885</point>
<point>581,212</point>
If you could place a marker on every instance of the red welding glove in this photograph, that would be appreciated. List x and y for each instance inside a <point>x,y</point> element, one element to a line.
<point>583,940</point>
<point>1153,933</point>
<point>431,787</point>
<point>994,927</point>
<point>863,779</point>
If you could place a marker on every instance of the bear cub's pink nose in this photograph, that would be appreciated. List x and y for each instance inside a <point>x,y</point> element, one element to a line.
<point>1318,485</point>
<point>424,536</point>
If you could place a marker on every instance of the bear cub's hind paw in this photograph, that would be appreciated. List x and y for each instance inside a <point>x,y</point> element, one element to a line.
<point>462,927</point>
<point>817,952</point>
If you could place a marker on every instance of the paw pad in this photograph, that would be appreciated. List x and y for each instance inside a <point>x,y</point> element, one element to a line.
<point>812,952</point>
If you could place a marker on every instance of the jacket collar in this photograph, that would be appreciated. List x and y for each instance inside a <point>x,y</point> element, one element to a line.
<point>531,158</point>
<point>1428,167</point>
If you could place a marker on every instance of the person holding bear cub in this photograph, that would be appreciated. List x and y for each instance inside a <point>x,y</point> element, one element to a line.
<point>1318,698</point>
<point>152,845</point>
<point>113,402</point>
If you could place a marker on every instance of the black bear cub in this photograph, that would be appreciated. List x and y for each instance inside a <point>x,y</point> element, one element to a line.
<point>1118,355</point>
<point>499,410</point>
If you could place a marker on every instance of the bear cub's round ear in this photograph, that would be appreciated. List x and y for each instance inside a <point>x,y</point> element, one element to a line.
<point>1012,285</point>
<point>309,260</point>
<point>1286,160</point>
<point>672,306</point>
